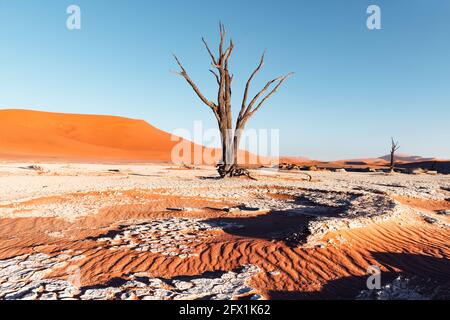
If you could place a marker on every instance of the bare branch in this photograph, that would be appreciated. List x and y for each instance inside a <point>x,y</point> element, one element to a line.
<point>184,74</point>
<point>395,146</point>
<point>179,64</point>
<point>222,40</point>
<point>247,86</point>
<point>267,86</point>
<point>227,53</point>
<point>280,82</point>
<point>259,94</point>
<point>215,75</point>
<point>209,51</point>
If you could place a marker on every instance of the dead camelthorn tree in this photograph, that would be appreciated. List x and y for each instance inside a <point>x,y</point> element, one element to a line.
<point>394,148</point>
<point>231,137</point>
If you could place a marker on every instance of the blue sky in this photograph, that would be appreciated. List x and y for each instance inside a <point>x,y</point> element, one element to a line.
<point>353,89</point>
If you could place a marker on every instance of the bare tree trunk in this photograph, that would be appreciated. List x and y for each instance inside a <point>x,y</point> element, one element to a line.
<point>228,161</point>
<point>394,148</point>
<point>392,161</point>
<point>236,143</point>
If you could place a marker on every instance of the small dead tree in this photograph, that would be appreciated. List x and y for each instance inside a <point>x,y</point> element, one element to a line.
<point>231,137</point>
<point>394,148</point>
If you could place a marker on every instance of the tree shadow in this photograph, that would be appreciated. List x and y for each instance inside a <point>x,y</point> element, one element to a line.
<point>276,225</point>
<point>144,175</point>
<point>430,275</point>
<point>209,177</point>
<point>290,226</point>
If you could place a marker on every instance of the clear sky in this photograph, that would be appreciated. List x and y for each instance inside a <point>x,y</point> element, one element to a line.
<point>353,89</point>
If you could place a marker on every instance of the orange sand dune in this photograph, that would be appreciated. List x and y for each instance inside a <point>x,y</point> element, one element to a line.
<point>35,135</point>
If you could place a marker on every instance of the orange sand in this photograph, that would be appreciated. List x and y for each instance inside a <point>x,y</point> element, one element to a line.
<point>425,204</point>
<point>337,270</point>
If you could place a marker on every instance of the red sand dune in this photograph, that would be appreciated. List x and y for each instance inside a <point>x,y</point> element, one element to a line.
<point>36,135</point>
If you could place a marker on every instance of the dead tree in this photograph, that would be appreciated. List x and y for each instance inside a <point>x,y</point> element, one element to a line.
<point>231,137</point>
<point>394,148</point>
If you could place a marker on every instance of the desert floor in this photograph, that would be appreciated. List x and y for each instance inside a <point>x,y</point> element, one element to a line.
<point>87,231</point>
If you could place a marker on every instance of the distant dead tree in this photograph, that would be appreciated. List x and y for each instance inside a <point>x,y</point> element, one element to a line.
<point>230,139</point>
<point>394,148</point>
